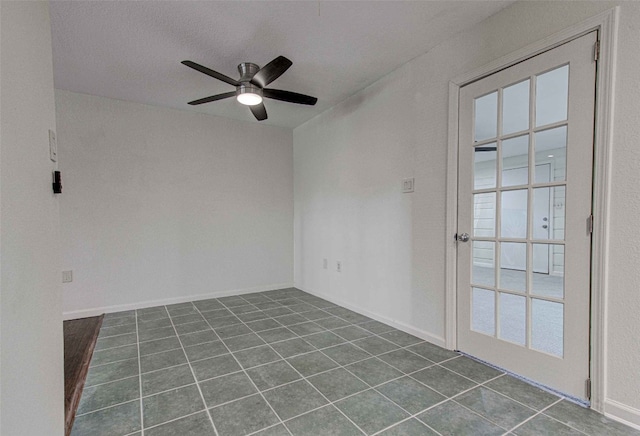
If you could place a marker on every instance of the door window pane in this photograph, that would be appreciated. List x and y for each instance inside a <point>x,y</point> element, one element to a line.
<point>552,92</point>
<point>551,147</point>
<point>513,214</point>
<point>541,213</point>
<point>484,214</point>
<point>513,265</point>
<point>486,117</point>
<point>513,318</point>
<point>549,283</point>
<point>541,259</point>
<point>558,194</point>
<point>547,326</point>
<point>484,167</point>
<point>483,272</point>
<point>548,213</point>
<point>515,108</point>
<point>515,161</point>
<point>483,312</point>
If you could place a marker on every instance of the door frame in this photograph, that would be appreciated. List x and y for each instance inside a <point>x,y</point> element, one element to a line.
<point>606,24</point>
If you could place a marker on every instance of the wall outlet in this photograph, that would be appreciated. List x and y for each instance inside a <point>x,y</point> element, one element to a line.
<point>325,264</point>
<point>339,266</point>
<point>67,276</point>
<point>407,185</point>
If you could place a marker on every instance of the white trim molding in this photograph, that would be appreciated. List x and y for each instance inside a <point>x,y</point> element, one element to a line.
<point>451,222</point>
<point>622,413</point>
<point>422,334</point>
<point>606,24</point>
<point>75,314</point>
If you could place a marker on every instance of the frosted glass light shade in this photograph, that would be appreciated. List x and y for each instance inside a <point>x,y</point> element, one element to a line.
<point>249,98</point>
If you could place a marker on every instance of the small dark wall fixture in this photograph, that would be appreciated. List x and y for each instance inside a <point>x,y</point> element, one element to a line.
<point>57,182</point>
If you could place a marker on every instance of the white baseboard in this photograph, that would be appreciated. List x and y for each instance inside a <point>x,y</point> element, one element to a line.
<point>622,413</point>
<point>75,314</point>
<point>422,334</point>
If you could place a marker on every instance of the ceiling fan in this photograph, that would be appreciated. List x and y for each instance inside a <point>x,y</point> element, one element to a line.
<point>250,88</point>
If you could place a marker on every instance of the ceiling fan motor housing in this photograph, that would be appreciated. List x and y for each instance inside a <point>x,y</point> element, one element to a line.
<point>247,71</point>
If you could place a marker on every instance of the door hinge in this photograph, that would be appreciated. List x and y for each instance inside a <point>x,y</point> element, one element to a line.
<point>590,224</point>
<point>588,388</point>
<point>596,51</point>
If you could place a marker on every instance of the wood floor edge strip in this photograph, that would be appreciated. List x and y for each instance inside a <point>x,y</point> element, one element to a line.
<point>74,400</point>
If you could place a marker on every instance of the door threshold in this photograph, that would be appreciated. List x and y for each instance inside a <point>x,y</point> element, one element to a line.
<point>575,400</point>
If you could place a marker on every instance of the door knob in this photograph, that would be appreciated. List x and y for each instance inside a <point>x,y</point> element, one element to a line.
<point>544,226</point>
<point>463,237</point>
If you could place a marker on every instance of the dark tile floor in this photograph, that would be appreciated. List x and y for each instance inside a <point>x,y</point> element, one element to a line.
<point>288,363</point>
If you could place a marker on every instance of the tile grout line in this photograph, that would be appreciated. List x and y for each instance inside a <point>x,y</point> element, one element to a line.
<point>446,399</point>
<point>347,342</point>
<point>109,407</point>
<point>102,338</point>
<point>407,419</point>
<point>115,361</point>
<point>170,421</point>
<point>332,403</point>
<point>403,375</point>
<point>371,356</point>
<point>193,374</point>
<point>541,412</point>
<point>243,370</point>
<point>316,389</point>
<point>564,423</point>
<point>291,382</point>
<point>374,388</point>
<point>538,412</point>
<point>139,378</point>
<point>486,418</point>
<point>340,366</point>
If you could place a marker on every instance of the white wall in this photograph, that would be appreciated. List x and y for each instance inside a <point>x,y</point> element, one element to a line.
<point>350,160</point>
<point>31,356</point>
<point>165,205</point>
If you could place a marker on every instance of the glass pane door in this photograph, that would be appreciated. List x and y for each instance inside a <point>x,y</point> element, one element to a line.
<point>525,166</point>
<point>518,182</point>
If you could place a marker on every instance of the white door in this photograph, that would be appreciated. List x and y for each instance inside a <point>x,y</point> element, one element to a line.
<point>525,168</point>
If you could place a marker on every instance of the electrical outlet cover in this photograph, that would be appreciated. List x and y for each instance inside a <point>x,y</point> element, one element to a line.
<point>407,185</point>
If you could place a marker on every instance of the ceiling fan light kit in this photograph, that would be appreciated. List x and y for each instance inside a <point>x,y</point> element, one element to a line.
<point>249,94</point>
<point>250,88</point>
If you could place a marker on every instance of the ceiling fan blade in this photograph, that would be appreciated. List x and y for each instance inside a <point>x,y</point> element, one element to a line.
<point>213,98</point>
<point>210,72</point>
<point>288,96</point>
<point>271,71</point>
<point>479,149</point>
<point>259,111</point>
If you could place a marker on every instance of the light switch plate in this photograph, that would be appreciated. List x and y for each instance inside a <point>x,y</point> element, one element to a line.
<point>53,146</point>
<point>407,185</point>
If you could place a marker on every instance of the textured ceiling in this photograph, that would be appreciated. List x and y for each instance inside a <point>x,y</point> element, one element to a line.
<point>131,50</point>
